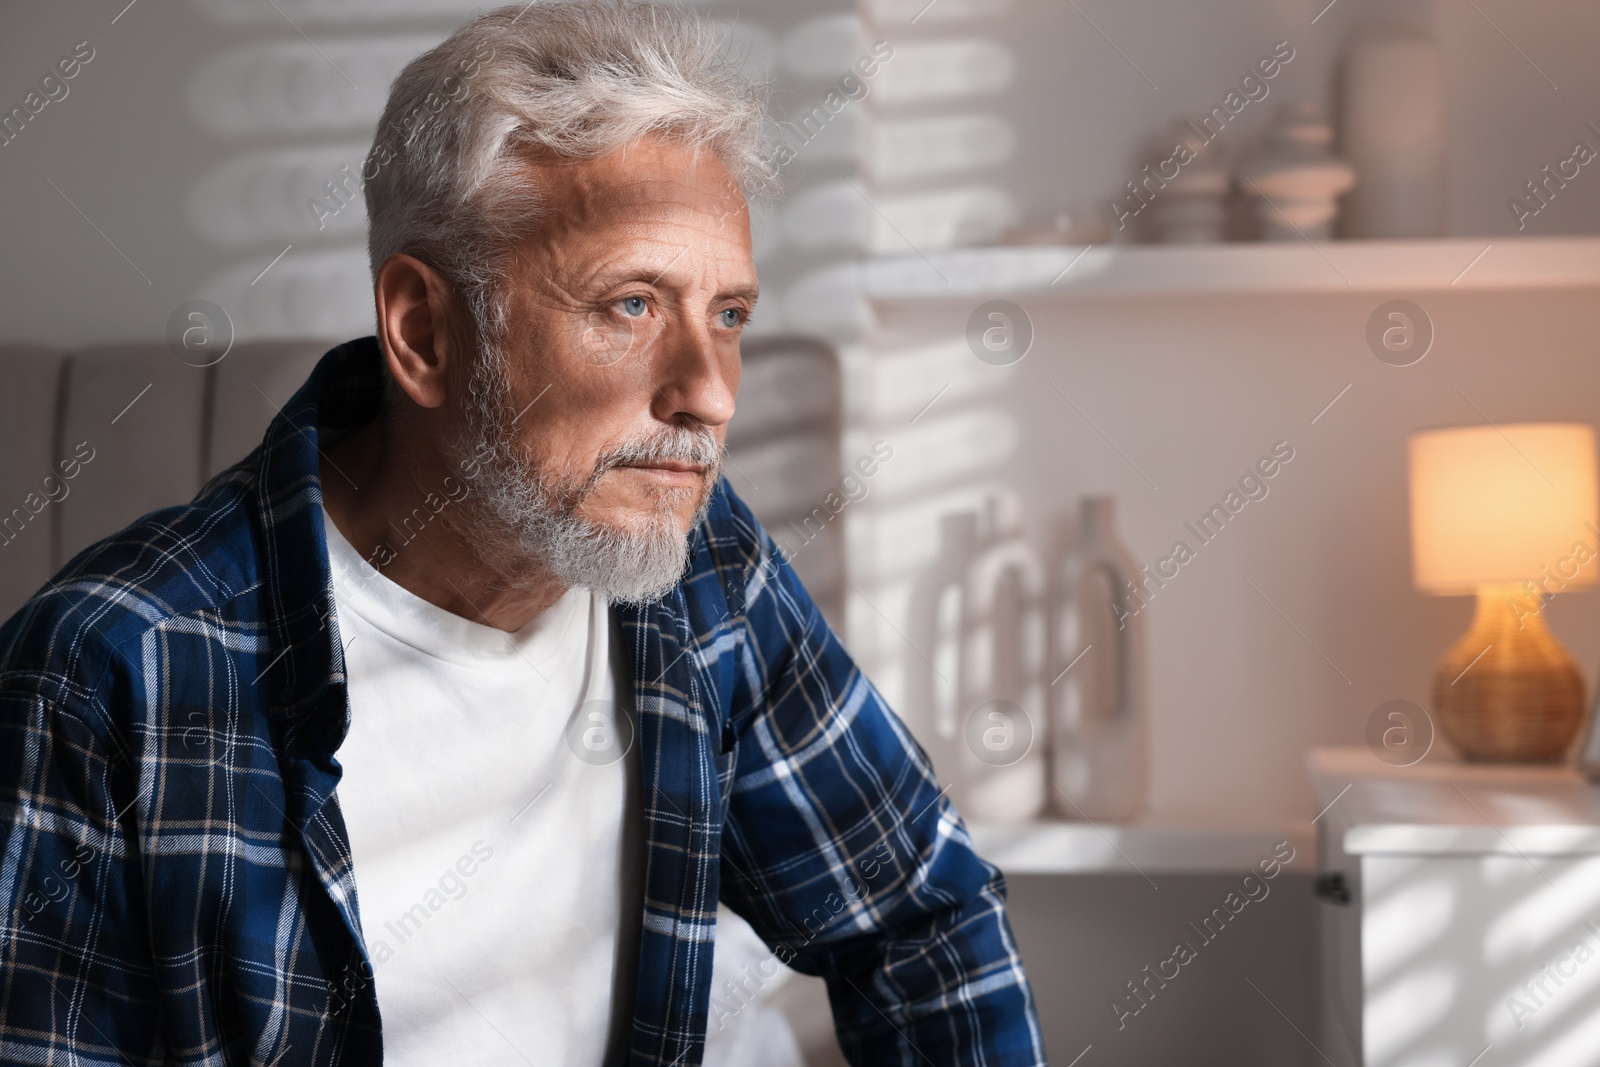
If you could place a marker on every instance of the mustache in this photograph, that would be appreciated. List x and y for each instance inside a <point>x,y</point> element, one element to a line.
<point>678,444</point>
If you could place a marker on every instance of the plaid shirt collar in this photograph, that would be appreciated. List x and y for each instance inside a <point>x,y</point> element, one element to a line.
<point>343,392</point>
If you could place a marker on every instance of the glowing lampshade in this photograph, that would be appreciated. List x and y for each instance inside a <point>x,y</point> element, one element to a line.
<point>1496,505</point>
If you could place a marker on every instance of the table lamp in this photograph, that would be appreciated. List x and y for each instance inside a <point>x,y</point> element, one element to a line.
<point>1506,513</point>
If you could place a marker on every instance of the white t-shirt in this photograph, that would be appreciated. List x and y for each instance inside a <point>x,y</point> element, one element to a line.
<point>494,825</point>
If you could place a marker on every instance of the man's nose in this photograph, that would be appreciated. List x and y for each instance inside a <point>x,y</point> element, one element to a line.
<point>698,376</point>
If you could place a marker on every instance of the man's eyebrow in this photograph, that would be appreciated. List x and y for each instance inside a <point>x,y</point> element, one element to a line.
<point>621,275</point>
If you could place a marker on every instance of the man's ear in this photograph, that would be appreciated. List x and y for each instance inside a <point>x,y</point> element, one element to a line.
<point>417,328</point>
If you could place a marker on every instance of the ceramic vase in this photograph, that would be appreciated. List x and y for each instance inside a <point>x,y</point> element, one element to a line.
<point>1001,734</point>
<point>1192,206</point>
<point>1099,729</point>
<point>1295,177</point>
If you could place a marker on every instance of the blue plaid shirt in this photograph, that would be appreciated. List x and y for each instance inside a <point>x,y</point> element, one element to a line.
<point>177,875</point>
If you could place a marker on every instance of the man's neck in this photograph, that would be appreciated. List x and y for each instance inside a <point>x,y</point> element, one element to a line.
<point>414,518</point>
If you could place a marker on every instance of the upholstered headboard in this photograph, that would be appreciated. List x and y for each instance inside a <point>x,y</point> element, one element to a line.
<point>97,437</point>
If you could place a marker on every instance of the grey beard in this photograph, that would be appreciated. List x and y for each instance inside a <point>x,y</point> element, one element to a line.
<point>536,513</point>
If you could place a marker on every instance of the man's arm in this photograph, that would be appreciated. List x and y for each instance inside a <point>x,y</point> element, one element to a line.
<point>76,979</point>
<point>844,854</point>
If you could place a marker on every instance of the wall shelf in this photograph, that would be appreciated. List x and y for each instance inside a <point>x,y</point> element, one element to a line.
<point>1153,846</point>
<point>1399,267</point>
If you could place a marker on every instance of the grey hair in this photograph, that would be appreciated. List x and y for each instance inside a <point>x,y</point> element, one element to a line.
<point>579,78</point>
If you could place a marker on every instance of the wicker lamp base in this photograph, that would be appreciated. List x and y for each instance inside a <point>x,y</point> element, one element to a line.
<point>1508,692</point>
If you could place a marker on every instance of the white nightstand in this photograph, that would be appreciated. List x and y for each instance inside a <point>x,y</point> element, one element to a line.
<point>1446,887</point>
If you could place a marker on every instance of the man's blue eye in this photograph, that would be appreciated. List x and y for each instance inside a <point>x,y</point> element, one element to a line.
<point>732,317</point>
<point>634,305</point>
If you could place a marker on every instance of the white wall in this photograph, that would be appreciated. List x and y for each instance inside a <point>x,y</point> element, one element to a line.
<point>1194,391</point>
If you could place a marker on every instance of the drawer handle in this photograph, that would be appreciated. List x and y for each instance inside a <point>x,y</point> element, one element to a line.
<point>1333,888</point>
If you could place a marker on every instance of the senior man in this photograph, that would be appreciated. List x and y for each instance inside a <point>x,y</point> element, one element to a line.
<point>461,702</point>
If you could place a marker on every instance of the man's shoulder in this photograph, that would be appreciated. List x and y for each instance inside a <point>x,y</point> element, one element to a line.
<point>170,564</point>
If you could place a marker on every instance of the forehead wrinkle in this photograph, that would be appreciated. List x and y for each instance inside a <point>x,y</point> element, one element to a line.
<point>626,207</point>
<point>655,168</point>
<point>589,194</point>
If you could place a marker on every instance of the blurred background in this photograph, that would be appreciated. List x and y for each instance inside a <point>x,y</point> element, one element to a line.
<point>994,287</point>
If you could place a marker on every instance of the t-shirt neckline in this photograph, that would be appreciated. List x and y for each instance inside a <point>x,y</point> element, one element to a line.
<point>434,631</point>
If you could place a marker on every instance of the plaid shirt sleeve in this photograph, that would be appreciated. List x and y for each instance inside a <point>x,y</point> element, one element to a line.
<point>844,854</point>
<point>76,972</point>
